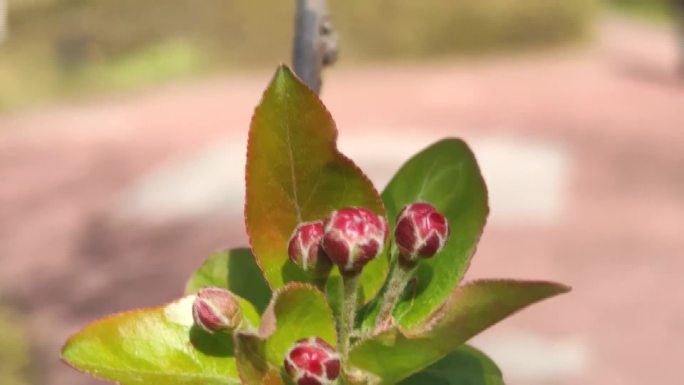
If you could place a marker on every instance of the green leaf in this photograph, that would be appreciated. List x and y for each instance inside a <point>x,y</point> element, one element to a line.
<point>235,270</point>
<point>447,176</point>
<point>464,366</point>
<point>468,311</point>
<point>251,361</point>
<point>155,346</point>
<point>296,174</point>
<point>297,311</point>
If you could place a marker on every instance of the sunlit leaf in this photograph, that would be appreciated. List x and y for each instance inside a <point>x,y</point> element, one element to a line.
<point>251,361</point>
<point>297,311</point>
<point>155,346</point>
<point>468,311</point>
<point>294,174</point>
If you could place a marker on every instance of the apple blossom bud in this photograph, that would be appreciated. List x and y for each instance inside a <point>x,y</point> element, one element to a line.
<point>421,232</point>
<point>304,248</point>
<point>353,237</point>
<point>311,361</point>
<point>216,309</point>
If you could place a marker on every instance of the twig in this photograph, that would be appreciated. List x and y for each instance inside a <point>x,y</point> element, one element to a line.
<point>315,42</point>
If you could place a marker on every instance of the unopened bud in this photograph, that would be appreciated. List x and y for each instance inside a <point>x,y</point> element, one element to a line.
<point>305,249</point>
<point>421,232</point>
<point>353,237</point>
<point>216,309</point>
<point>311,361</point>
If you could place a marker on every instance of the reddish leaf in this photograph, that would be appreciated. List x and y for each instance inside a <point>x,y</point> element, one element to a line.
<point>295,173</point>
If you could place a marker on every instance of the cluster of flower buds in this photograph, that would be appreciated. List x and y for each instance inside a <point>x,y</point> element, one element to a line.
<point>216,310</point>
<point>421,232</point>
<point>352,237</point>
<point>312,361</point>
<point>349,237</point>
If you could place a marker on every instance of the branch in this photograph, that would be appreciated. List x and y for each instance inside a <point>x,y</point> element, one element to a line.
<point>315,44</point>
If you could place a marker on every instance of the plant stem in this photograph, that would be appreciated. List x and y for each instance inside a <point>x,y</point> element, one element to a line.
<point>315,42</point>
<point>351,285</point>
<point>322,273</point>
<point>399,277</point>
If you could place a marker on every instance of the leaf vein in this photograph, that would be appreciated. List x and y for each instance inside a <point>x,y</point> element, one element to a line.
<point>293,174</point>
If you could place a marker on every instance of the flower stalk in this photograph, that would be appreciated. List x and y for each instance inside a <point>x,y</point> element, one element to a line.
<point>348,312</point>
<point>400,275</point>
<point>421,232</point>
<point>352,238</point>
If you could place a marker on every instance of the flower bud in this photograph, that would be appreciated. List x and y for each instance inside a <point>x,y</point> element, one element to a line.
<point>304,248</point>
<point>421,232</point>
<point>353,237</point>
<point>216,309</point>
<point>311,361</point>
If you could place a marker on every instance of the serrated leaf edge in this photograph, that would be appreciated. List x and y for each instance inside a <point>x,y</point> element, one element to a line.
<point>269,319</point>
<point>424,329</point>
<point>124,313</point>
<point>269,323</point>
<point>441,312</point>
<point>471,153</point>
<point>378,199</point>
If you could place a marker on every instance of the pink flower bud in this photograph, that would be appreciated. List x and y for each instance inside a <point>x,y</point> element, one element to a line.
<point>216,309</point>
<point>353,237</point>
<point>421,232</point>
<point>311,361</point>
<point>304,248</point>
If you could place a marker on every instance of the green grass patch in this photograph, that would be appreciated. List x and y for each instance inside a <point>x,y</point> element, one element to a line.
<point>437,28</point>
<point>154,64</point>
<point>14,351</point>
<point>651,10</point>
<point>59,48</point>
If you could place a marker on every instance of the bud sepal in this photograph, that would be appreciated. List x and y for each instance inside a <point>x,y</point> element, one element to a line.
<point>216,310</point>
<point>304,249</point>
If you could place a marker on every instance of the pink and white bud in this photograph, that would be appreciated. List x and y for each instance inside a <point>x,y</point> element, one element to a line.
<point>311,361</point>
<point>304,248</point>
<point>353,237</point>
<point>216,309</point>
<point>421,232</point>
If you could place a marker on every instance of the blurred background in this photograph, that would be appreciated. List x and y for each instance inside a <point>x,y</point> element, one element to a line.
<point>122,133</point>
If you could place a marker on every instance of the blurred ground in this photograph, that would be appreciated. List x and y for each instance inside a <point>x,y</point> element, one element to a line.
<point>59,49</point>
<point>110,205</point>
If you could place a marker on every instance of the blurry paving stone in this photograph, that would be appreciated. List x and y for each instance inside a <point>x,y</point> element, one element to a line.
<point>535,359</point>
<point>527,178</point>
<point>209,181</point>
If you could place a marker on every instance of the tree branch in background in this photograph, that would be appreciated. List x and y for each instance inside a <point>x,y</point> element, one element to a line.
<point>315,42</point>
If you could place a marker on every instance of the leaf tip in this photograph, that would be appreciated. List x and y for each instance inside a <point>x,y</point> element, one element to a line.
<point>64,351</point>
<point>563,288</point>
<point>283,74</point>
<point>66,357</point>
